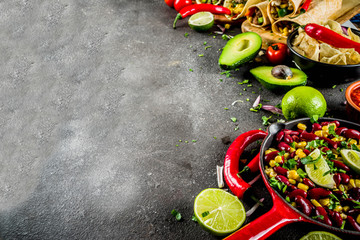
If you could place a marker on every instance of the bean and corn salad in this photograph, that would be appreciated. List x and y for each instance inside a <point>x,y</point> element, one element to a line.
<point>286,166</point>
<point>281,8</point>
<point>236,7</point>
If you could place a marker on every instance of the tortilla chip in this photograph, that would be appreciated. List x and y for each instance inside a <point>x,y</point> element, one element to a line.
<point>299,51</point>
<point>327,51</point>
<point>353,36</point>
<point>333,25</point>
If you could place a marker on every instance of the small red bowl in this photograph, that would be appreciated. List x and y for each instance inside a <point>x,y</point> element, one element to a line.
<point>352,110</point>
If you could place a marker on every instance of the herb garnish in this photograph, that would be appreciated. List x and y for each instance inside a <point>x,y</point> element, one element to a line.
<point>176,214</point>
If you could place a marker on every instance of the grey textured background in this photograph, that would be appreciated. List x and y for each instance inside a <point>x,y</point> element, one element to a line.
<point>94,97</point>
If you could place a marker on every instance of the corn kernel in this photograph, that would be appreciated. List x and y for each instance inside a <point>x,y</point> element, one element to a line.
<point>301,145</point>
<point>324,201</point>
<point>303,186</point>
<point>227,26</point>
<point>293,204</point>
<point>250,19</point>
<point>315,203</point>
<point>358,219</point>
<point>292,181</point>
<point>301,126</point>
<point>272,163</point>
<point>338,208</point>
<point>325,128</point>
<point>342,188</point>
<point>343,216</point>
<point>325,134</point>
<point>278,159</point>
<point>353,141</point>
<point>299,152</point>
<point>292,149</point>
<point>283,5</point>
<point>318,133</point>
<point>346,208</point>
<point>352,183</point>
<point>357,182</point>
<point>292,174</point>
<point>286,155</point>
<point>272,174</point>
<point>296,157</point>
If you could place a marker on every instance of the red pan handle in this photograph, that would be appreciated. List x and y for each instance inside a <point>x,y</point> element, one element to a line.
<point>231,163</point>
<point>261,228</point>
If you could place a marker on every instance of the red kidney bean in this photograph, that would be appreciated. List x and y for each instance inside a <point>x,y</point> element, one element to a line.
<point>337,178</point>
<point>295,138</point>
<point>325,149</point>
<point>280,170</point>
<point>297,192</point>
<point>345,179</point>
<point>322,211</point>
<point>283,179</point>
<point>291,132</point>
<point>279,136</point>
<point>353,223</point>
<point>292,187</point>
<point>353,212</point>
<point>324,123</point>
<point>284,147</point>
<point>307,152</point>
<point>341,165</point>
<point>308,182</point>
<point>317,193</point>
<point>340,131</point>
<point>336,217</point>
<point>352,133</point>
<point>308,136</point>
<point>337,123</point>
<point>354,193</point>
<point>271,156</point>
<point>288,139</point>
<point>304,205</point>
<point>292,155</point>
<point>330,142</point>
<point>316,127</point>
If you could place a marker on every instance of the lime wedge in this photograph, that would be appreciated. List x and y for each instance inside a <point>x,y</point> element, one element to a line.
<point>219,212</point>
<point>201,21</point>
<point>316,173</point>
<point>320,235</point>
<point>351,159</point>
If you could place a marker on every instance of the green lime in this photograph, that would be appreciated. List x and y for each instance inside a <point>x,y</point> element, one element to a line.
<point>352,159</point>
<point>303,101</point>
<point>319,172</point>
<point>201,21</point>
<point>219,212</point>
<point>320,235</point>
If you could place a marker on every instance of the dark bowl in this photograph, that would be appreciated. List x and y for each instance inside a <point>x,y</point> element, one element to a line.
<point>352,110</point>
<point>323,73</point>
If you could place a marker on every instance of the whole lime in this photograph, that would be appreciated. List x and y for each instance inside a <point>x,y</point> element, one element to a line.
<point>303,101</point>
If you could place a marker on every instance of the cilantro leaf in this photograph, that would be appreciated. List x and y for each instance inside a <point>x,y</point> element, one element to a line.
<point>314,118</point>
<point>266,120</point>
<point>176,214</point>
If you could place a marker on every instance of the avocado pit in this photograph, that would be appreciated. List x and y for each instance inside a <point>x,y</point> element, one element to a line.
<point>282,72</point>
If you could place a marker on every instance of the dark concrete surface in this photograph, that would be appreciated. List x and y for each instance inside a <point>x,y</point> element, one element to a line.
<point>95,96</point>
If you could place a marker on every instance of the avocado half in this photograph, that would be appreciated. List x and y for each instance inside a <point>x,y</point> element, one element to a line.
<point>239,50</point>
<point>264,76</point>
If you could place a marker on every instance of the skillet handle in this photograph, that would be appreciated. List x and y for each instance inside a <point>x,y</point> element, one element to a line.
<point>262,227</point>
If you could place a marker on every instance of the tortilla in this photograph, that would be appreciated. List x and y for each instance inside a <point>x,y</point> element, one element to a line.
<point>228,4</point>
<point>263,9</point>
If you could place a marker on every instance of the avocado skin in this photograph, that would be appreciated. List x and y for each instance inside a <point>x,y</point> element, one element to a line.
<point>263,75</point>
<point>239,58</point>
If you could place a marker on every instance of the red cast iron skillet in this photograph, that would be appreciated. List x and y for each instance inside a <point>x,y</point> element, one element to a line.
<point>282,213</point>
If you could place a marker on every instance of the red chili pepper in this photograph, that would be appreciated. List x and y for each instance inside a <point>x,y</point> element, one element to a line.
<point>250,12</point>
<point>330,37</point>
<point>306,5</point>
<point>231,163</point>
<point>195,8</point>
<point>180,4</point>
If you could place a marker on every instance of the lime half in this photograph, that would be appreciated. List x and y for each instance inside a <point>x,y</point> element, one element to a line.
<point>351,159</point>
<point>219,212</point>
<point>317,171</point>
<point>320,235</point>
<point>201,21</point>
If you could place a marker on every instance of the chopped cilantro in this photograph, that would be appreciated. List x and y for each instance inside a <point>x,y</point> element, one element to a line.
<point>220,80</point>
<point>191,70</point>
<point>201,55</point>
<point>334,86</point>
<point>236,128</point>
<point>315,144</point>
<point>176,214</point>
<point>249,85</point>
<point>214,137</point>
<point>227,73</point>
<point>225,108</point>
<point>318,216</point>
<point>266,120</point>
<point>205,43</point>
<point>243,82</point>
<point>248,99</point>
<point>332,131</point>
<point>355,147</point>
<point>301,173</point>
<point>194,218</point>
<point>233,119</point>
<point>314,118</point>
<point>310,160</point>
<point>326,173</point>
<point>257,108</point>
<point>207,47</point>
<point>244,89</point>
<point>194,141</point>
<point>176,145</point>
<point>186,34</point>
<point>290,164</point>
<point>341,90</point>
<point>186,141</point>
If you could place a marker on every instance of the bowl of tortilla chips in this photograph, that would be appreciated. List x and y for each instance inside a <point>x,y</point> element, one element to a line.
<point>325,64</point>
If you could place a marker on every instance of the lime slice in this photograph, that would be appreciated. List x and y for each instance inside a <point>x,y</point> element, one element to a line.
<point>201,21</point>
<point>351,159</point>
<point>320,235</point>
<point>316,173</point>
<point>219,212</point>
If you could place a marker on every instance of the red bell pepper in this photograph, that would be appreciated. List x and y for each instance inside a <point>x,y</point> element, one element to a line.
<point>231,163</point>
<point>330,37</point>
<point>195,8</point>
